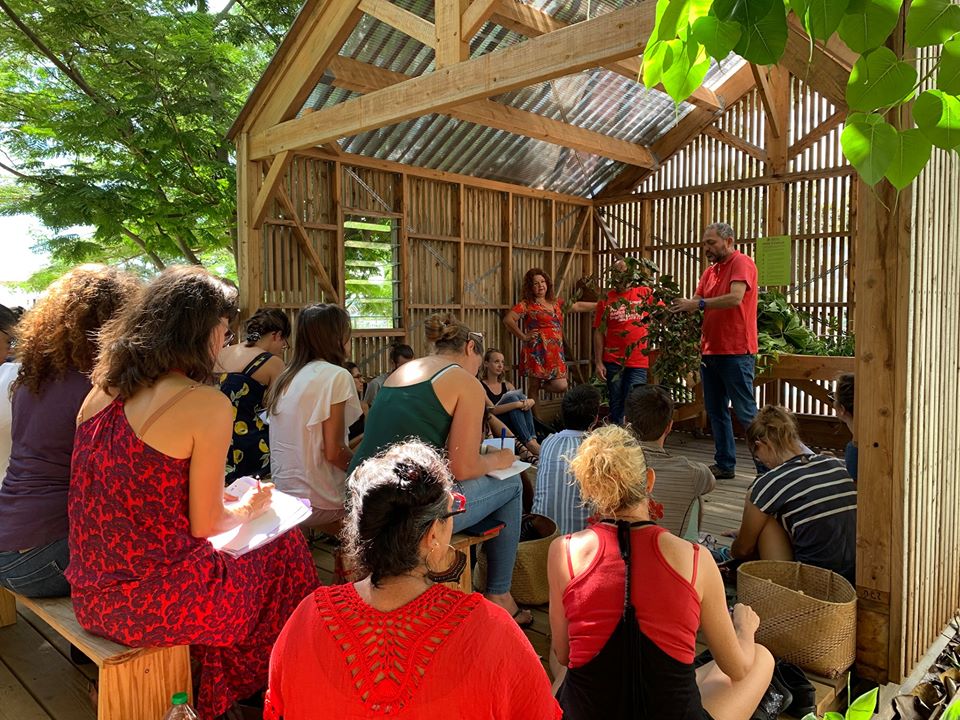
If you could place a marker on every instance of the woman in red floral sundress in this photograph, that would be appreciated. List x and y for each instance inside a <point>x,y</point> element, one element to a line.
<point>542,359</point>
<point>146,492</point>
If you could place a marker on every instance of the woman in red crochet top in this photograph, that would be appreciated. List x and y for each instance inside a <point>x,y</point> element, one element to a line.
<point>399,643</point>
<point>629,646</point>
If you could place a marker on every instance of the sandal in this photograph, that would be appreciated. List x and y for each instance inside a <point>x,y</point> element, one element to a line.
<point>526,623</point>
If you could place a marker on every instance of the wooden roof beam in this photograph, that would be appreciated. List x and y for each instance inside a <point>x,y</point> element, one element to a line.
<point>452,46</point>
<point>363,78</point>
<point>764,87</point>
<point>588,44</point>
<point>531,22</point>
<point>691,125</point>
<point>475,16</point>
<point>826,71</point>
<point>405,21</point>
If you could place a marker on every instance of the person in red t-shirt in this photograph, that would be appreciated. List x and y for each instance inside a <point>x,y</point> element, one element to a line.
<point>619,341</point>
<point>727,295</point>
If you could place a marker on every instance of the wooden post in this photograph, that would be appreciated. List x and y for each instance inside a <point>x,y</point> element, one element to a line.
<point>140,683</point>
<point>8,608</point>
<point>249,241</point>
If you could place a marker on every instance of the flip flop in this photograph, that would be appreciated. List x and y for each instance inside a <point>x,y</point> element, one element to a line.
<point>526,623</point>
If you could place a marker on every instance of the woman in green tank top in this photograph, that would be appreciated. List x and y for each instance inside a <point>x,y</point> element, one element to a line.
<point>438,400</point>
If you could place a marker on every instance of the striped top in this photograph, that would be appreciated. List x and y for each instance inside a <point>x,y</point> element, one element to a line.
<point>557,494</point>
<point>815,500</point>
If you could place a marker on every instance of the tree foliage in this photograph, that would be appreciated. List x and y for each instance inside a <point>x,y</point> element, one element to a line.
<point>688,32</point>
<point>113,115</point>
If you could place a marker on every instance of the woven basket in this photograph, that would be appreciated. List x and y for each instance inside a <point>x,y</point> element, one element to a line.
<point>808,615</point>
<point>529,585</point>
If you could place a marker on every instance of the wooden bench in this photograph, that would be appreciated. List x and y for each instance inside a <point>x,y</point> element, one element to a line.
<point>135,683</point>
<point>463,543</point>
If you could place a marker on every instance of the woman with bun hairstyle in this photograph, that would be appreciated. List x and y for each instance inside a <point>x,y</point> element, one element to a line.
<point>57,348</point>
<point>542,360</point>
<point>438,400</point>
<point>146,494</point>
<point>627,599</point>
<point>311,406</point>
<point>804,508</point>
<point>243,373</point>
<point>403,505</point>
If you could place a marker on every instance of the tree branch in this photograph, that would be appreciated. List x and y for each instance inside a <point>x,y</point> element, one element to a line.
<point>181,245</point>
<point>139,242</point>
<point>222,15</point>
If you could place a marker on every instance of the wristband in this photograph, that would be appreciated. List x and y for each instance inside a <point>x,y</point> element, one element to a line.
<point>702,304</point>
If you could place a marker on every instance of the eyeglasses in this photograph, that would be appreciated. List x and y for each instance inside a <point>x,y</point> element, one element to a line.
<point>228,338</point>
<point>477,337</point>
<point>459,506</point>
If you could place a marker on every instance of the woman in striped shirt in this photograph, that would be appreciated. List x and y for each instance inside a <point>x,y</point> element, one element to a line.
<point>804,508</point>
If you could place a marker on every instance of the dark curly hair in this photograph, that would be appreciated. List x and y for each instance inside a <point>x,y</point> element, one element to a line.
<point>60,332</point>
<point>263,322</point>
<point>168,328</point>
<point>526,289</point>
<point>393,499</point>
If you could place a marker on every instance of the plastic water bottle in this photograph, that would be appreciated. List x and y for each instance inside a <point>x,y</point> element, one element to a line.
<point>180,709</point>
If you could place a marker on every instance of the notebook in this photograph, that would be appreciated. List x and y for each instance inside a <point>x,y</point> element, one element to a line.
<point>518,467</point>
<point>285,513</point>
<point>508,443</point>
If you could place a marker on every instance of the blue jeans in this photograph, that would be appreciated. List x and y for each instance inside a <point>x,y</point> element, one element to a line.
<point>499,500</point>
<point>620,381</point>
<point>728,379</point>
<point>520,422</point>
<point>38,572</point>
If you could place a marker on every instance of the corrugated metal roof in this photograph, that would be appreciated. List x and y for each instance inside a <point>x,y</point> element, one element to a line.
<point>597,100</point>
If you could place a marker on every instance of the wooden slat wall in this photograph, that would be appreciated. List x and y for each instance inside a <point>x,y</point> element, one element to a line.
<point>722,175</point>
<point>931,494</point>
<point>464,249</point>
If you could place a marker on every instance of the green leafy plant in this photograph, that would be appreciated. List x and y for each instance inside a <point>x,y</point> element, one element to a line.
<point>687,33</point>
<point>781,328</point>
<point>860,709</point>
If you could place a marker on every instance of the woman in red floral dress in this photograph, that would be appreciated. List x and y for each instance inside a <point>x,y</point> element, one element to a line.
<point>146,492</point>
<point>542,359</point>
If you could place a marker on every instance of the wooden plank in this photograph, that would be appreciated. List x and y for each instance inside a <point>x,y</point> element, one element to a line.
<point>823,71</point>
<point>475,16</point>
<point>303,239</point>
<point>736,142</point>
<point>275,176</point>
<point>771,108</point>
<point>588,44</point>
<point>450,44</point>
<point>405,21</point>
<point>8,608</point>
<point>319,33</point>
<point>55,639</point>
<point>567,261</point>
<point>817,133</point>
<point>15,701</point>
<point>58,613</point>
<point>49,677</point>
<point>811,367</point>
<point>249,241</point>
<point>364,78</point>
<point>141,684</point>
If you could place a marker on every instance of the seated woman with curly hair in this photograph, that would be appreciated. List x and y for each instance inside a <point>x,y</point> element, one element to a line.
<point>57,345</point>
<point>146,494</point>
<point>396,643</point>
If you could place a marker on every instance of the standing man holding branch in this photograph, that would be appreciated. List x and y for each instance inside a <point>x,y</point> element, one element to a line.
<point>727,295</point>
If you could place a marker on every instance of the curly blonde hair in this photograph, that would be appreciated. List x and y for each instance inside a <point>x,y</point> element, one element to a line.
<point>611,470</point>
<point>61,332</point>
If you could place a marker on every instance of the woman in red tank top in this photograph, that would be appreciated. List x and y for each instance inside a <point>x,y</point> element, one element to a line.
<point>146,493</point>
<point>613,670</point>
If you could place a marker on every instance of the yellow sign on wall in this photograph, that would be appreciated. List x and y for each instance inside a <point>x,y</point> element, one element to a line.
<point>774,259</point>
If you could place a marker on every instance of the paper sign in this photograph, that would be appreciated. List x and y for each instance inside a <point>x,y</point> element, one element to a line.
<point>774,260</point>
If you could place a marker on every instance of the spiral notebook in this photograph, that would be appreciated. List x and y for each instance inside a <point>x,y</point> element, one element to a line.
<point>284,514</point>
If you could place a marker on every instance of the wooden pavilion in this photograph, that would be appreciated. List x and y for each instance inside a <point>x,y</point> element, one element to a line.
<point>462,143</point>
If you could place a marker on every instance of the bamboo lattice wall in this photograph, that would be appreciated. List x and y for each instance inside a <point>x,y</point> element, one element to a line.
<point>464,248</point>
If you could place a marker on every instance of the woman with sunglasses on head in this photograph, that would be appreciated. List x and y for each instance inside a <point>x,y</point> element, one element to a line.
<point>438,400</point>
<point>146,494</point>
<point>244,372</point>
<point>403,508</point>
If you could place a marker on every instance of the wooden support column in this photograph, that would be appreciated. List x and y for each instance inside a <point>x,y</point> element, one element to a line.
<point>340,262</point>
<point>249,241</point>
<point>452,47</point>
<point>774,86</point>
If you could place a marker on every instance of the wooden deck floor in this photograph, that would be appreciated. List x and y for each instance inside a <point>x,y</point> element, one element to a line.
<point>38,681</point>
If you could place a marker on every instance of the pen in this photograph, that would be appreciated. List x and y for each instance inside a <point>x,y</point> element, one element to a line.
<point>258,484</point>
<point>503,437</point>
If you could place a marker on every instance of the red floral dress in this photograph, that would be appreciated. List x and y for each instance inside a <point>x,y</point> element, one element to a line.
<point>543,356</point>
<point>442,655</point>
<point>140,578</point>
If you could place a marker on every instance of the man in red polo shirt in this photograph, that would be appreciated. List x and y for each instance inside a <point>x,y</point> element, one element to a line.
<point>619,340</point>
<point>727,295</point>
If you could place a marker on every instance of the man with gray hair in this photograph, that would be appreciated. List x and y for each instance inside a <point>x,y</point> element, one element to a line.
<point>727,295</point>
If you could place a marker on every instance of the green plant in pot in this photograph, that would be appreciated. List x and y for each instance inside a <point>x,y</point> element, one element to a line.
<point>860,709</point>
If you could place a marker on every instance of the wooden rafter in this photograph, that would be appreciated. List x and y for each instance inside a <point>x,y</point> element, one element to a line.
<point>320,36</point>
<point>531,22</point>
<point>306,247</point>
<point>588,44</point>
<point>475,16</point>
<point>567,262</point>
<point>452,47</point>
<point>818,133</point>
<point>735,141</point>
<point>823,70</point>
<point>363,78</point>
<point>405,21</point>
<point>691,125</point>
<point>764,88</point>
<point>267,191</point>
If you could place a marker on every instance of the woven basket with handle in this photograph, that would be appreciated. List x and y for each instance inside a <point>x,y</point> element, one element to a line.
<point>808,615</point>
<point>529,586</point>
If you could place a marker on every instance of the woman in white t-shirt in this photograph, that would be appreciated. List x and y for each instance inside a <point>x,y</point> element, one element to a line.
<point>311,405</point>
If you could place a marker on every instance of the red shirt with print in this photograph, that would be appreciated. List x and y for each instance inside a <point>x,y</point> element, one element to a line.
<point>626,326</point>
<point>730,331</point>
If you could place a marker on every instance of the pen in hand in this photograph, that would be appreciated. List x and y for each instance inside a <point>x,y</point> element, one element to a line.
<point>503,437</point>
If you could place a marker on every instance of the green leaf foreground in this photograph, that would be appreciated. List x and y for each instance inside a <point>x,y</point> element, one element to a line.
<point>689,32</point>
